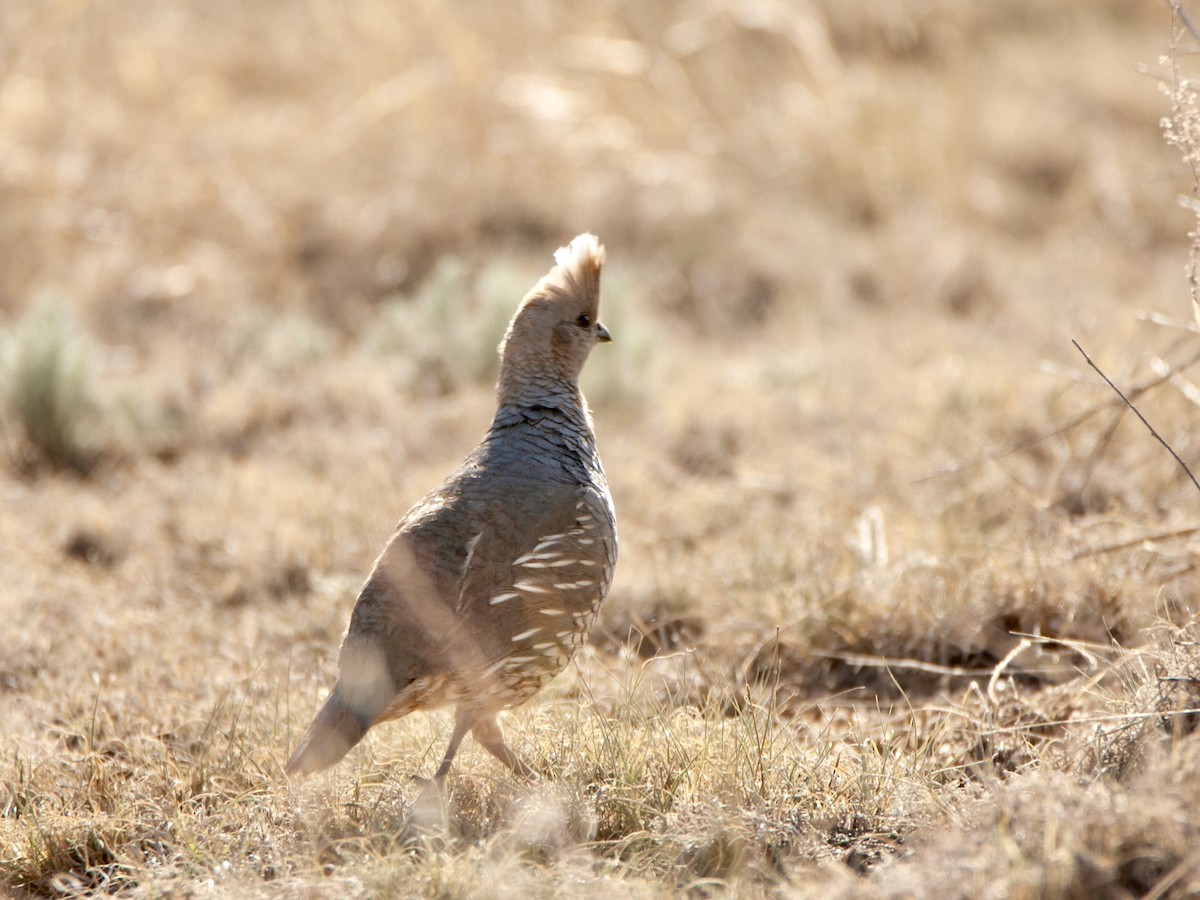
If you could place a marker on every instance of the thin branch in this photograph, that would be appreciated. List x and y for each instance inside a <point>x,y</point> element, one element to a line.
<point>1138,413</point>
<point>1134,542</point>
<point>867,661</point>
<point>1054,430</point>
<point>1181,114</point>
<point>1167,322</point>
<point>1098,450</point>
<point>1187,21</point>
<point>1127,718</point>
<point>1021,646</point>
<point>1190,392</point>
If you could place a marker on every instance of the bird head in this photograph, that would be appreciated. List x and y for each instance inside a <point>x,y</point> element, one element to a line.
<point>557,325</point>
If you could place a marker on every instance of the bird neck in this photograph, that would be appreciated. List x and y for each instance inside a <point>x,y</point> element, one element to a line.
<point>544,391</point>
<point>528,424</point>
<point>547,404</point>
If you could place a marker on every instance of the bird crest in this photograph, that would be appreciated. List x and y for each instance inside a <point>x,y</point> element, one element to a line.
<point>576,273</point>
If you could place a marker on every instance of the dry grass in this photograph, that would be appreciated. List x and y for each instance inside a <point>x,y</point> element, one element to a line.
<point>906,600</point>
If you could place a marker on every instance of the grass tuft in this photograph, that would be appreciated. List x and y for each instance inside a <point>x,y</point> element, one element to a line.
<point>50,391</point>
<point>467,310</point>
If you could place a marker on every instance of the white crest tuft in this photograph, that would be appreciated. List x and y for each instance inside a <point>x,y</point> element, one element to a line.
<point>585,249</point>
<point>577,268</point>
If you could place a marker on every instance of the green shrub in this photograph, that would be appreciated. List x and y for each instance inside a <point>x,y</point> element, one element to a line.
<point>448,331</point>
<point>49,391</point>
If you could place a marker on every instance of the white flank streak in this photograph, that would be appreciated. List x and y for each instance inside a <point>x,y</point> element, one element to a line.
<point>531,587</point>
<point>538,565</point>
<point>500,598</point>
<point>525,634</point>
<point>539,551</point>
<point>534,554</point>
<point>471,544</point>
<point>552,612</point>
<point>587,542</point>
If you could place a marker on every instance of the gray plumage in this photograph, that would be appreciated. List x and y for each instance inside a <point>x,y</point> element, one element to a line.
<point>493,580</point>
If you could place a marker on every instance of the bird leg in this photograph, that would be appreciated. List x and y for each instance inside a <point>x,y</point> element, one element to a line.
<point>462,724</point>
<point>487,733</point>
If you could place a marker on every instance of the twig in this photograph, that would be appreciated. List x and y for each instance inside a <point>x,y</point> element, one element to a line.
<point>1134,542</point>
<point>1098,450</point>
<point>1187,21</point>
<point>1022,645</point>
<point>892,662</point>
<point>1089,650</point>
<point>1190,392</point>
<point>1127,718</point>
<point>1168,881</point>
<point>1181,115</point>
<point>1056,429</point>
<point>1138,413</point>
<point>1167,322</point>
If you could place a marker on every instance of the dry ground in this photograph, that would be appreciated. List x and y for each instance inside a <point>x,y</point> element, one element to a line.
<point>906,599</point>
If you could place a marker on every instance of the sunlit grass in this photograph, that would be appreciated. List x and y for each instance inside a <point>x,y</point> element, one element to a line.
<point>882,625</point>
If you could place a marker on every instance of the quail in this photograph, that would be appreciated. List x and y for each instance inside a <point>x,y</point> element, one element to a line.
<point>491,582</point>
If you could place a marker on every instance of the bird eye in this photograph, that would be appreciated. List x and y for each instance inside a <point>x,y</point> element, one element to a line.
<point>584,321</point>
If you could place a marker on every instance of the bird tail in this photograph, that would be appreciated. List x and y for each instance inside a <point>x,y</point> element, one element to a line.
<point>362,693</point>
<point>337,728</point>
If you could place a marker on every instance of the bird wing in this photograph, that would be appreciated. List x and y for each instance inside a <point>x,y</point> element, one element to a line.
<point>473,575</point>
<point>540,565</point>
<point>405,610</point>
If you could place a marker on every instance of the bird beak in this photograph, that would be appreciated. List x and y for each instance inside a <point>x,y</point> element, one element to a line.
<point>602,334</point>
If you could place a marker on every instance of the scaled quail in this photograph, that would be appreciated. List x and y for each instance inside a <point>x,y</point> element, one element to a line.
<point>493,580</point>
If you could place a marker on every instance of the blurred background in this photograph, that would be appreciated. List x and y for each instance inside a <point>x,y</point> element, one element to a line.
<point>171,170</point>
